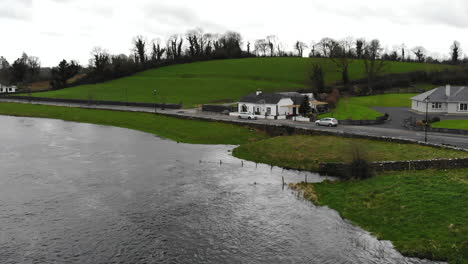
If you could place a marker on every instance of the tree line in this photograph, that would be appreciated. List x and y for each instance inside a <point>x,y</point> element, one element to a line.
<point>197,45</point>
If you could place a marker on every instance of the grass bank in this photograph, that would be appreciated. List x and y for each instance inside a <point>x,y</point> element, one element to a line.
<point>188,131</point>
<point>307,152</point>
<point>359,108</point>
<point>452,123</point>
<point>220,80</point>
<point>422,212</point>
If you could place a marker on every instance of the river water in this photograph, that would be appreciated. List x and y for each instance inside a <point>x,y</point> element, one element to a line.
<point>82,193</point>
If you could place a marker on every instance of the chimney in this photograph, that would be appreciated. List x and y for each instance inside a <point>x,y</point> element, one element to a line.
<point>447,90</point>
<point>258,92</point>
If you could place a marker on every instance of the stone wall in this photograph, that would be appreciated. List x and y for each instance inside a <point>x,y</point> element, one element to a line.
<point>218,108</point>
<point>93,102</point>
<point>378,121</point>
<point>342,169</point>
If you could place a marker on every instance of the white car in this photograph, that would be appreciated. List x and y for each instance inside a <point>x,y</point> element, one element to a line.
<point>327,122</point>
<point>246,115</point>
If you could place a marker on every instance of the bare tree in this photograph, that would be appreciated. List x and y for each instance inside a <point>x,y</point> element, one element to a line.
<point>455,51</point>
<point>300,46</point>
<point>347,47</point>
<point>372,65</point>
<point>157,51</point>
<point>139,43</point>
<point>419,52</point>
<point>197,41</point>
<point>313,52</point>
<point>343,59</point>
<point>261,47</point>
<point>360,48</point>
<point>271,40</point>
<point>100,60</point>
<point>403,51</point>
<point>174,47</point>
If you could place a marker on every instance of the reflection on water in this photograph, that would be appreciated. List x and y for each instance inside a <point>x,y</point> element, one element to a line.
<point>80,193</point>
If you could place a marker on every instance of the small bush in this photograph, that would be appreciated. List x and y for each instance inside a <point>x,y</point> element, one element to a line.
<point>359,168</point>
<point>435,119</point>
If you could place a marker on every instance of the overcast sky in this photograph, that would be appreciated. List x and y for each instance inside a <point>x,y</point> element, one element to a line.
<point>68,29</point>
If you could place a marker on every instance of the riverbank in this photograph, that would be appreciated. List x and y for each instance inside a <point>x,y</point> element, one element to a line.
<point>300,152</point>
<point>180,130</point>
<point>307,152</point>
<point>423,213</point>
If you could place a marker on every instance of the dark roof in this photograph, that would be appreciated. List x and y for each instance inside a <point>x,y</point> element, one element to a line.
<point>457,94</point>
<point>272,98</point>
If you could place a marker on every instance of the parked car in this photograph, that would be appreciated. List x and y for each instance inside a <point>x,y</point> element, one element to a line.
<point>327,122</point>
<point>246,115</point>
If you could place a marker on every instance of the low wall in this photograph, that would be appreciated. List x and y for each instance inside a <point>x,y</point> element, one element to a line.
<point>93,102</point>
<point>378,121</point>
<point>440,130</point>
<point>342,169</point>
<point>301,119</point>
<point>218,108</point>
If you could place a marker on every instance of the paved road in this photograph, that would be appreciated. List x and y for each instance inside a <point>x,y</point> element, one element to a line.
<point>379,131</point>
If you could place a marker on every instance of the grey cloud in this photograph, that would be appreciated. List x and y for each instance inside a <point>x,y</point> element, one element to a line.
<point>175,17</point>
<point>451,14</point>
<point>429,12</point>
<point>16,9</point>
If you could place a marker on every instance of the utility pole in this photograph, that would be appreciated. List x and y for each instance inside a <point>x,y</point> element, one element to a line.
<point>427,121</point>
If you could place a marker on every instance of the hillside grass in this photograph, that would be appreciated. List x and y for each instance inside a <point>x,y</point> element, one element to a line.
<point>307,152</point>
<point>359,108</point>
<point>423,213</point>
<point>220,80</point>
<point>452,123</point>
<point>181,130</point>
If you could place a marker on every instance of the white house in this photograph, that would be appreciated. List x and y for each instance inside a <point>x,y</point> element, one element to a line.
<point>7,89</point>
<point>444,100</point>
<point>273,104</point>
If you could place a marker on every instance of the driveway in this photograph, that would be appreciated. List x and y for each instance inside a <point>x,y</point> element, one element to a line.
<point>399,114</point>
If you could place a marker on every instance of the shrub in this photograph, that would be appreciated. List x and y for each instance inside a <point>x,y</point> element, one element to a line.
<point>435,119</point>
<point>359,167</point>
<point>333,98</point>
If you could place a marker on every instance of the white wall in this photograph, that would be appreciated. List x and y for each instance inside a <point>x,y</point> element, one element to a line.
<point>252,108</point>
<point>420,106</point>
<point>281,106</point>
<point>453,108</point>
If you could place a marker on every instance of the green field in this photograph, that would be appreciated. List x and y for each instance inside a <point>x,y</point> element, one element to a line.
<point>452,123</point>
<point>219,81</point>
<point>307,152</point>
<point>424,213</point>
<point>359,108</point>
<point>188,131</point>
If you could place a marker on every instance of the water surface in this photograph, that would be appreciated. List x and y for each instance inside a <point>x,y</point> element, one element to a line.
<point>81,193</point>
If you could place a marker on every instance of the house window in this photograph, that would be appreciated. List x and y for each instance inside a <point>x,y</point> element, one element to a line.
<point>463,107</point>
<point>436,105</point>
<point>268,110</point>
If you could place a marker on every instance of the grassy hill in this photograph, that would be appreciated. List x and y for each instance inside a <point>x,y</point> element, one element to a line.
<point>219,81</point>
<point>359,108</point>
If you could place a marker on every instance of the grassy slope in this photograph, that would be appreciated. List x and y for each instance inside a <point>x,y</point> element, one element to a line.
<point>358,108</point>
<point>189,131</point>
<point>423,213</point>
<point>453,123</point>
<point>307,152</point>
<point>212,81</point>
